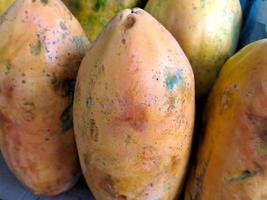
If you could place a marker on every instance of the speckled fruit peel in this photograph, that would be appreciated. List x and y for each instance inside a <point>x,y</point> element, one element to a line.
<point>231,161</point>
<point>134,111</point>
<point>207,30</point>
<point>41,47</point>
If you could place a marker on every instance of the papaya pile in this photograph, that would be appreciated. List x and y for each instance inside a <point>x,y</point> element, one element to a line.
<point>149,103</point>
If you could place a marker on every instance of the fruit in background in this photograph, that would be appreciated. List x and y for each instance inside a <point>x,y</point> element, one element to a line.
<point>208,32</point>
<point>95,14</point>
<point>134,110</point>
<point>41,47</point>
<point>4,4</point>
<point>231,161</point>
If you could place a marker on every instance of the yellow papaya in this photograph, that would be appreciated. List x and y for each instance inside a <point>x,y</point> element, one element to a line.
<point>207,30</point>
<point>232,157</point>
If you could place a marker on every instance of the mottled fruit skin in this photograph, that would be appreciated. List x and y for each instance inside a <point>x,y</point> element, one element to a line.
<point>207,30</point>
<point>134,111</point>
<point>4,4</point>
<point>95,14</point>
<point>41,47</point>
<point>232,158</point>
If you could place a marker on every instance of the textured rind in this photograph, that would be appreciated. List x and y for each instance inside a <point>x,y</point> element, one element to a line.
<point>134,111</point>
<point>95,14</point>
<point>41,47</point>
<point>207,30</point>
<point>231,161</point>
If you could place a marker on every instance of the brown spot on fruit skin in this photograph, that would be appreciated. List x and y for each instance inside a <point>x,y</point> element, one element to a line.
<point>129,22</point>
<point>93,130</point>
<point>4,119</point>
<point>133,113</point>
<point>107,184</point>
<point>259,125</point>
<point>8,90</point>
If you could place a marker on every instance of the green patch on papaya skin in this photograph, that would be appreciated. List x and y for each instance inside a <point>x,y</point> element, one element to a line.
<point>44,1</point>
<point>65,86</point>
<point>262,149</point>
<point>81,43</point>
<point>99,4</point>
<point>36,47</point>
<point>244,175</point>
<point>128,139</point>
<point>196,190</point>
<point>7,67</point>
<point>173,79</point>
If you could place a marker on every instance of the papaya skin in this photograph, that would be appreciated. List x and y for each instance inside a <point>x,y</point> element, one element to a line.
<point>208,32</point>
<point>134,111</point>
<point>41,48</point>
<point>231,161</point>
<point>95,14</point>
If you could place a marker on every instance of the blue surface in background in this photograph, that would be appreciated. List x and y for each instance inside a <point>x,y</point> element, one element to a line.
<point>12,189</point>
<point>255,21</point>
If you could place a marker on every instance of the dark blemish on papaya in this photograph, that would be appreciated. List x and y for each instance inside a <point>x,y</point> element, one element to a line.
<point>99,5</point>
<point>66,119</point>
<point>108,185</point>
<point>259,125</point>
<point>23,81</point>
<point>198,183</point>
<point>36,47</point>
<point>128,139</point>
<point>122,197</point>
<point>4,119</point>
<point>244,175</point>
<point>8,67</point>
<point>93,130</point>
<point>130,21</point>
<point>173,79</point>
<point>88,102</point>
<point>45,1</point>
<point>123,41</point>
<point>63,25</point>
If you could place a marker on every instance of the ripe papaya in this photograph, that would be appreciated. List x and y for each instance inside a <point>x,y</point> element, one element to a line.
<point>207,30</point>
<point>134,110</point>
<point>232,157</point>
<point>41,48</point>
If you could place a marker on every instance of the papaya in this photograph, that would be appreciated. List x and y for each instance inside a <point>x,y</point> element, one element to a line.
<point>208,31</point>
<point>134,110</point>
<point>95,14</point>
<point>4,4</point>
<point>232,157</point>
<point>41,48</point>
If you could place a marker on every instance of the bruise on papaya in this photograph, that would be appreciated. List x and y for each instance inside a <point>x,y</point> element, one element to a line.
<point>244,175</point>
<point>132,113</point>
<point>67,86</point>
<point>36,47</point>
<point>129,22</point>
<point>93,130</point>
<point>108,185</point>
<point>197,187</point>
